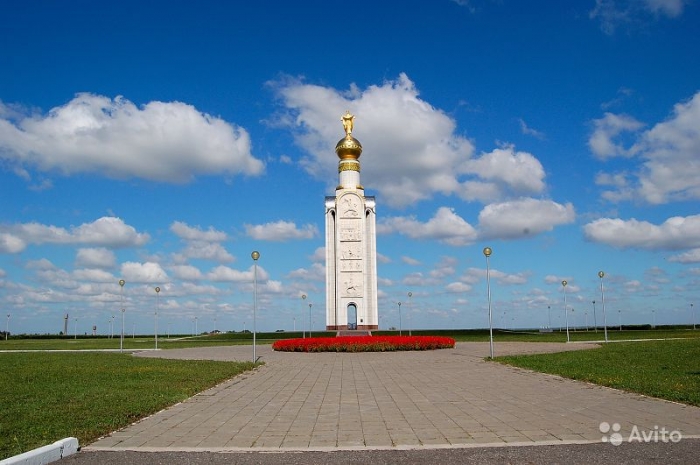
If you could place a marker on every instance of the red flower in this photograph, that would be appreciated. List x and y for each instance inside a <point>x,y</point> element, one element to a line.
<point>363,344</point>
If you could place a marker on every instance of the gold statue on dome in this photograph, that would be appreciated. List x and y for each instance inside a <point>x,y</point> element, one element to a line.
<point>347,120</point>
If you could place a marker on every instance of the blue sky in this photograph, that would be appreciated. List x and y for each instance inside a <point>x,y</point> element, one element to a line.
<point>163,142</point>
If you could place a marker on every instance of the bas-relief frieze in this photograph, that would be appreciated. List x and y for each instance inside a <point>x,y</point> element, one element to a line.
<point>350,251</point>
<point>352,285</point>
<point>351,265</point>
<point>350,206</point>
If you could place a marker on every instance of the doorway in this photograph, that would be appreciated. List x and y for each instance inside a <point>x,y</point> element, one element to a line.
<point>352,316</point>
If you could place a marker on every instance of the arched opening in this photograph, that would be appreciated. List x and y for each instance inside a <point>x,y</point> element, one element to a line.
<point>352,316</point>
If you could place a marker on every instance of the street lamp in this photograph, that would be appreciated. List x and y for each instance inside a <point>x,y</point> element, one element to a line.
<point>602,300</point>
<point>566,313</point>
<point>255,256</point>
<point>549,316</point>
<point>7,326</point>
<point>410,308</point>
<point>399,318</point>
<point>156,315</point>
<point>75,328</point>
<point>121,298</point>
<point>303,305</point>
<point>692,312</point>
<point>595,322</point>
<point>487,253</point>
<point>310,305</point>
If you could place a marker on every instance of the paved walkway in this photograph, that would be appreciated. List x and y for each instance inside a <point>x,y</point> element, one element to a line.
<point>443,398</point>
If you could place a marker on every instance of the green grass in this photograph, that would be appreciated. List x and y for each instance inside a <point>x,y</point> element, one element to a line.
<point>45,397</point>
<point>225,339</point>
<point>664,369</point>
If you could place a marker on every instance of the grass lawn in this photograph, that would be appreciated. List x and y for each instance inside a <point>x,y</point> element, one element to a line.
<point>665,369</point>
<point>45,397</point>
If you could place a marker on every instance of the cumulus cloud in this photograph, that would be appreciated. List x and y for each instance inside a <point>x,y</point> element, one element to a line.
<point>673,234</point>
<point>502,173</point>
<point>606,129</point>
<point>445,226</point>
<point>691,256</point>
<point>201,244</point>
<point>147,272</point>
<point>95,258</point>
<point>668,152</point>
<point>281,231</point>
<point>186,272</point>
<point>412,149</point>
<point>522,218</point>
<point>160,141</point>
<point>106,231</point>
<point>227,274</point>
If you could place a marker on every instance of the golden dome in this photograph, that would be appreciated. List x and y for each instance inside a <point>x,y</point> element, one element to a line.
<point>348,148</point>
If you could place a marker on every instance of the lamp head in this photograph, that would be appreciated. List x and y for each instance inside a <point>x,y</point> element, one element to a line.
<point>255,255</point>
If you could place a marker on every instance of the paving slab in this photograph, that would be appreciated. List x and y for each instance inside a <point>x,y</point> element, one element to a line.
<point>355,401</point>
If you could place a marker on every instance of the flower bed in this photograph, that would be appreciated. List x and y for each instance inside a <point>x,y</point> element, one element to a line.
<point>364,344</point>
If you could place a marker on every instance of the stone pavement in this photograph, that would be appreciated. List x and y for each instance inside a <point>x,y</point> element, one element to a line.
<point>401,400</point>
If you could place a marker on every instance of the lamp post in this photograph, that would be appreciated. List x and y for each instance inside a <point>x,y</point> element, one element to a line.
<point>602,300</point>
<point>566,313</point>
<point>156,315</point>
<point>691,311</point>
<point>653,318</point>
<point>75,328</point>
<point>255,256</point>
<point>7,326</point>
<point>310,305</point>
<point>399,303</point>
<point>195,327</point>
<point>303,305</point>
<point>595,322</point>
<point>549,316</point>
<point>410,309</point>
<point>121,299</point>
<point>487,253</point>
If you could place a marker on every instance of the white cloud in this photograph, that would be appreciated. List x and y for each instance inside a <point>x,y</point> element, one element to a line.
<point>188,233</point>
<point>226,274</point>
<point>673,234</point>
<point>522,218</point>
<point>502,173</point>
<point>606,129</point>
<point>95,258</point>
<point>525,129</point>
<point>668,152</point>
<point>147,272</point>
<point>186,272</point>
<point>281,231</point>
<point>410,261</point>
<point>691,256</point>
<point>203,245</point>
<point>106,231</point>
<point>160,141</point>
<point>445,226</point>
<point>94,275</point>
<point>614,13</point>
<point>411,148</point>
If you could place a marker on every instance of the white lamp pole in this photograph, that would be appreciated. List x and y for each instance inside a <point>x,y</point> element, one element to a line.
<point>487,253</point>
<point>121,298</point>
<point>602,301</point>
<point>310,305</point>
<point>255,256</point>
<point>303,307</point>
<point>156,315</point>
<point>410,308</point>
<point>7,326</point>
<point>691,311</point>
<point>566,313</point>
<point>399,318</point>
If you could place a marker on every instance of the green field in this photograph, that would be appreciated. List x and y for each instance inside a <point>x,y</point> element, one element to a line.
<point>49,396</point>
<point>665,369</point>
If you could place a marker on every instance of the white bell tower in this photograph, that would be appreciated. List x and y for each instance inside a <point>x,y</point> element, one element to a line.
<point>351,244</point>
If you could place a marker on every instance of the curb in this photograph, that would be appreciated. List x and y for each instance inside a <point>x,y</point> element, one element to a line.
<point>45,454</point>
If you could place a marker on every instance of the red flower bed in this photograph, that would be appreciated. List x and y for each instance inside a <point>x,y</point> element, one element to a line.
<point>364,344</point>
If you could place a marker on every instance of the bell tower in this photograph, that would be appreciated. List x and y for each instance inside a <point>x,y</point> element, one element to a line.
<point>351,244</point>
